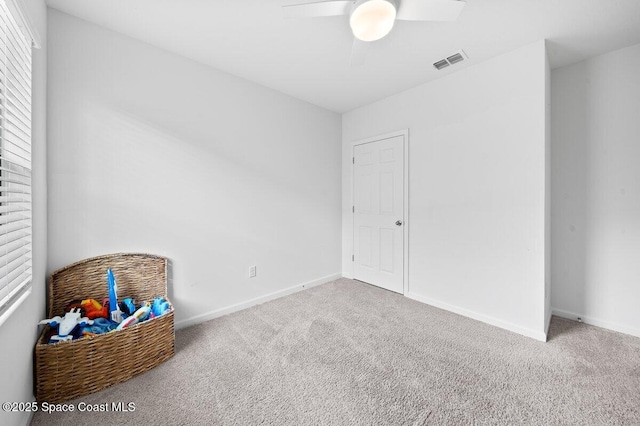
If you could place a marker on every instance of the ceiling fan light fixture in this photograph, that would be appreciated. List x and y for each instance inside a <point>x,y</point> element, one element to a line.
<point>372,19</point>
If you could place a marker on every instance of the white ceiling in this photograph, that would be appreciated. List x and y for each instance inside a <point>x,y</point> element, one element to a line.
<point>310,58</point>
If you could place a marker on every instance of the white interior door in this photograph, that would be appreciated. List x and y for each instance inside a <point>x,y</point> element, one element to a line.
<point>378,213</point>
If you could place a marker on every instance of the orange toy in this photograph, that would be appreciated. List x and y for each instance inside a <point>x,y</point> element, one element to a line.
<point>91,307</point>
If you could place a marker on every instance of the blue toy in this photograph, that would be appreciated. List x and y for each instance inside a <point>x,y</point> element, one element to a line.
<point>160,306</point>
<point>116,313</point>
<point>100,326</point>
<point>127,306</point>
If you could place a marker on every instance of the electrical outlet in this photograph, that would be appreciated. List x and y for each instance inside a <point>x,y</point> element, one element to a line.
<point>252,272</point>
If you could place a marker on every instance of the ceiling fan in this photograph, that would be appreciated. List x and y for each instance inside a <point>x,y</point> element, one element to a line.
<point>371,20</point>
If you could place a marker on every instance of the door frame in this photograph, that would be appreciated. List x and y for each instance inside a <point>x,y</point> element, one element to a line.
<point>405,228</point>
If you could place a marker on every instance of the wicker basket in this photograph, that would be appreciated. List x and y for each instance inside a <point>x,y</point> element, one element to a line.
<point>70,369</point>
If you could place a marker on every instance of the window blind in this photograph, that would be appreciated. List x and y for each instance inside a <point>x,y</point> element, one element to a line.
<point>15,160</point>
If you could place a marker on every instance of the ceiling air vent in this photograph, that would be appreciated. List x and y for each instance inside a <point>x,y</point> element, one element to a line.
<point>441,64</point>
<point>450,60</point>
<point>454,59</point>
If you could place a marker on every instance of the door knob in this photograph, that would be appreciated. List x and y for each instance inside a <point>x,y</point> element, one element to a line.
<point>398,223</point>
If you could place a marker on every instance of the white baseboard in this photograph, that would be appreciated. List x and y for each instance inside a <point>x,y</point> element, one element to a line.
<point>621,328</point>
<point>480,317</point>
<point>252,302</point>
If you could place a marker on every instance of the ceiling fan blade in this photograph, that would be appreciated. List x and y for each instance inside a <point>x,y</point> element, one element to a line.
<point>359,52</point>
<point>320,8</point>
<point>429,10</point>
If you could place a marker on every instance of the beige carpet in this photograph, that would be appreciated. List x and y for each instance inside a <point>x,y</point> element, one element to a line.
<point>350,353</point>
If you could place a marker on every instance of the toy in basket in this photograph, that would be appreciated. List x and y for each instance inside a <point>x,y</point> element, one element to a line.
<point>75,326</point>
<point>70,369</point>
<point>66,325</point>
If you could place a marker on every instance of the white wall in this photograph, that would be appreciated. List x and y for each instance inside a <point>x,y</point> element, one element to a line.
<point>477,187</point>
<point>596,190</point>
<point>19,333</point>
<point>151,152</point>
